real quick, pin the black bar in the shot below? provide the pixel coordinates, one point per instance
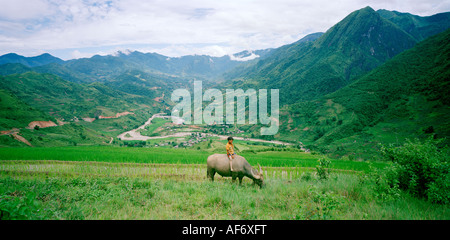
(225, 229)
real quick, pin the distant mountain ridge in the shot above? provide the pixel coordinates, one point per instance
(40, 60)
(359, 43)
(104, 68)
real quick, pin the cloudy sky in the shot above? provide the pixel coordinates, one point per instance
(73, 28)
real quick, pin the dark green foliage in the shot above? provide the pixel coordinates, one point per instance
(423, 169)
(306, 176)
(18, 205)
(134, 143)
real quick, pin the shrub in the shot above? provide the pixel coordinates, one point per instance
(306, 176)
(423, 169)
(383, 182)
(324, 204)
(323, 170)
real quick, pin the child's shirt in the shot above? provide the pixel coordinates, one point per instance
(230, 148)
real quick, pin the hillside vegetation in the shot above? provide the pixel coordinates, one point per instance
(406, 97)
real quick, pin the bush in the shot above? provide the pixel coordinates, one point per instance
(324, 204)
(323, 170)
(423, 169)
(383, 182)
(306, 176)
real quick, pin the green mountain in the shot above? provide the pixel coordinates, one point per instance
(67, 100)
(307, 70)
(64, 72)
(406, 97)
(199, 66)
(260, 66)
(418, 27)
(150, 85)
(15, 113)
(40, 60)
(109, 68)
(100, 68)
(12, 68)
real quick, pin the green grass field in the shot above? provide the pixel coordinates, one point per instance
(109, 182)
(174, 156)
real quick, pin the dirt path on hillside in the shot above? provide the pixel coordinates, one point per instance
(15, 131)
(22, 139)
(136, 135)
(41, 124)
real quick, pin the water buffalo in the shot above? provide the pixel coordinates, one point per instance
(219, 163)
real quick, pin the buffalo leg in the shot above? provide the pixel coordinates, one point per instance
(210, 174)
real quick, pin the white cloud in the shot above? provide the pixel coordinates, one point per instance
(185, 27)
(247, 58)
(24, 9)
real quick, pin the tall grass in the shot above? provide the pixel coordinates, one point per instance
(340, 197)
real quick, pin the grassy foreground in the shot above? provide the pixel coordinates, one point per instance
(340, 197)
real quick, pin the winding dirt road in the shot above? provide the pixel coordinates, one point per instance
(136, 135)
